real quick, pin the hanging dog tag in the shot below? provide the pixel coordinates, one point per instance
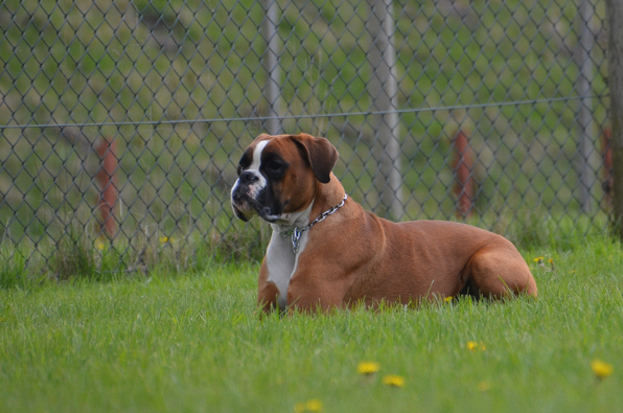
(296, 237)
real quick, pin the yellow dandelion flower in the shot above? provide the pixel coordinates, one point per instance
(100, 246)
(551, 263)
(164, 240)
(448, 299)
(472, 345)
(601, 369)
(313, 405)
(484, 385)
(393, 380)
(368, 367)
(538, 260)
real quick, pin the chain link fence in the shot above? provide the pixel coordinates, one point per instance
(122, 122)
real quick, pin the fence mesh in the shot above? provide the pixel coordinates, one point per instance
(124, 120)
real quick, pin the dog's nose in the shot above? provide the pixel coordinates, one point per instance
(248, 177)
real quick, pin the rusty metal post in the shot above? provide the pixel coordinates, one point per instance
(107, 179)
(463, 165)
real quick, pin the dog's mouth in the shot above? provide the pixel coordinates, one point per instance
(242, 214)
(246, 208)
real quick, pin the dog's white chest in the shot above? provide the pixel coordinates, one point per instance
(281, 263)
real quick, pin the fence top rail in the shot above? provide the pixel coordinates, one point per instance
(321, 115)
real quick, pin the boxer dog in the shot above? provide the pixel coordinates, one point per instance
(327, 252)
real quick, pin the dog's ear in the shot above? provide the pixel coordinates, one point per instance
(321, 155)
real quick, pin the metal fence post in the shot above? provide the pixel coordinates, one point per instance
(586, 148)
(383, 88)
(614, 12)
(271, 66)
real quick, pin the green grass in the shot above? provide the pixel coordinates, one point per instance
(194, 342)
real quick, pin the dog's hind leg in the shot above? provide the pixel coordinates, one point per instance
(498, 271)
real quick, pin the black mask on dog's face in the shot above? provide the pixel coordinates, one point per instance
(279, 174)
(253, 190)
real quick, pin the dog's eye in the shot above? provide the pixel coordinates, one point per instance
(274, 166)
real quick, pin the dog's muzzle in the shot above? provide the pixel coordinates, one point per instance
(242, 203)
(246, 199)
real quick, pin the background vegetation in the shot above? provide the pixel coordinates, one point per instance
(179, 86)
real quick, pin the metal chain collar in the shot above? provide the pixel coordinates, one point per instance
(297, 232)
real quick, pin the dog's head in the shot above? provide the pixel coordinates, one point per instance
(279, 174)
